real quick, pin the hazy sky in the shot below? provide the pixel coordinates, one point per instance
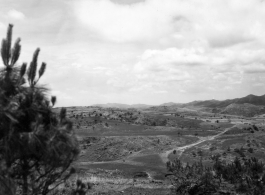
(143, 51)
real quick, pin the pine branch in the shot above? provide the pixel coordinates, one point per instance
(6, 46)
(16, 52)
(9, 41)
(33, 67)
(23, 70)
(3, 52)
(53, 100)
(42, 69)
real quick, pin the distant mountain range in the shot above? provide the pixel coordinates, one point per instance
(250, 99)
(250, 105)
(243, 110)
(125, 106)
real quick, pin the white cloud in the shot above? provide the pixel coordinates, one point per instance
(221, 23)
(162, 91)
(14, 14)
(188, 48)
(255, 68)
(2, 25)
(196, 68)
(121, 23)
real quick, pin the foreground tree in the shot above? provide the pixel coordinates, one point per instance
(37, 147)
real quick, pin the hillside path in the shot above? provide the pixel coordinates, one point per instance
(181, 149)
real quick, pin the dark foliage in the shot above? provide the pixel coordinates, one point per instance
(238, 177)
(81, 188)
(37, 147)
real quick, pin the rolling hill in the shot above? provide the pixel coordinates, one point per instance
(248, 110)
(250, 99)
(249, 106)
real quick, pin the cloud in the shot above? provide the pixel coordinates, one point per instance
(110, 50)
(171, 65)
(226, 40)
(14, 14)
(186, 56)
(255, 68)
(185, 48)
(222, 23)
(161, 91)
(192, 69)
(120, 23)
(122, 2)
(2, 25)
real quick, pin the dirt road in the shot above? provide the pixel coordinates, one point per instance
(181, 149)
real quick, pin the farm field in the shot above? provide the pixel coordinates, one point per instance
(137, 143)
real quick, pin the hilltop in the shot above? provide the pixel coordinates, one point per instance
(250, 99)
(249, 106)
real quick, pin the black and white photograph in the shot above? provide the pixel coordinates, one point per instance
(132, 97)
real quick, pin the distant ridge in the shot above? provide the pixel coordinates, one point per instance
(124, 106)
(170, 104)
(250, 99)
(245, 109)
(249, 106)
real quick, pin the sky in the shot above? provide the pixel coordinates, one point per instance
(142, 51)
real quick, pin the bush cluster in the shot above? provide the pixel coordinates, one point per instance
(238, 177)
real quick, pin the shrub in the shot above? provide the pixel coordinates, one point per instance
(238, 177)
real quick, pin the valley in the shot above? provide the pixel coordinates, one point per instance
(125, 150)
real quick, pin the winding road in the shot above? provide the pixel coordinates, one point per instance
(123, 183)
(164, 155)
(181, 149)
